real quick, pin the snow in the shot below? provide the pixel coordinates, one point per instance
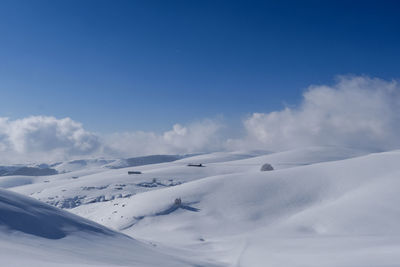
(26, 170)
(13, 181)
(320, 206)
(36, 234)
(20, 213)
(140, 161)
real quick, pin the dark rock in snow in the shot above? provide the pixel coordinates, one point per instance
(266, 167)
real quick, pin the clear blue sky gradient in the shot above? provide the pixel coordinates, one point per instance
(145, 65)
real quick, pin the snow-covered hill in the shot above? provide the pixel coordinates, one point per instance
(33, 233)
(320, 206)
(44, 169)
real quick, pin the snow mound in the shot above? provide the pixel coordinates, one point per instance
(35, 234)
(24, 214)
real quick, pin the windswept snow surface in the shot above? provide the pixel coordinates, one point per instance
(33, 233)
(320, 206)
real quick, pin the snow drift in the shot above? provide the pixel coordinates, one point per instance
(33, 233)
(20, 213)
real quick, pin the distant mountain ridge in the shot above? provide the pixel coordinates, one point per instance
(27, 171)
(145, 160)
(44, 169)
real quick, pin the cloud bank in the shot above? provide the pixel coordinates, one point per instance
(44, 138)
(357, 112)
(203, 136)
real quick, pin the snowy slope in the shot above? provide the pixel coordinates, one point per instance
(44, 169)
(140, 161)
(35, 234)
(320, 206)
(92, 185)
(26, 170)
(20, 213)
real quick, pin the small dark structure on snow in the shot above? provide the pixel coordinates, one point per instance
(134, 172)
(266, 167)
(195, 165)
(178, 201)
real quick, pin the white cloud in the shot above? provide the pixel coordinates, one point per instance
(197, 137)
(42, 138)
(355, 112)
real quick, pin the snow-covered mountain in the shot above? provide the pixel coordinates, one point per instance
(318, 206)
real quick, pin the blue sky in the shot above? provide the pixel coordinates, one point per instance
(145, 65)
